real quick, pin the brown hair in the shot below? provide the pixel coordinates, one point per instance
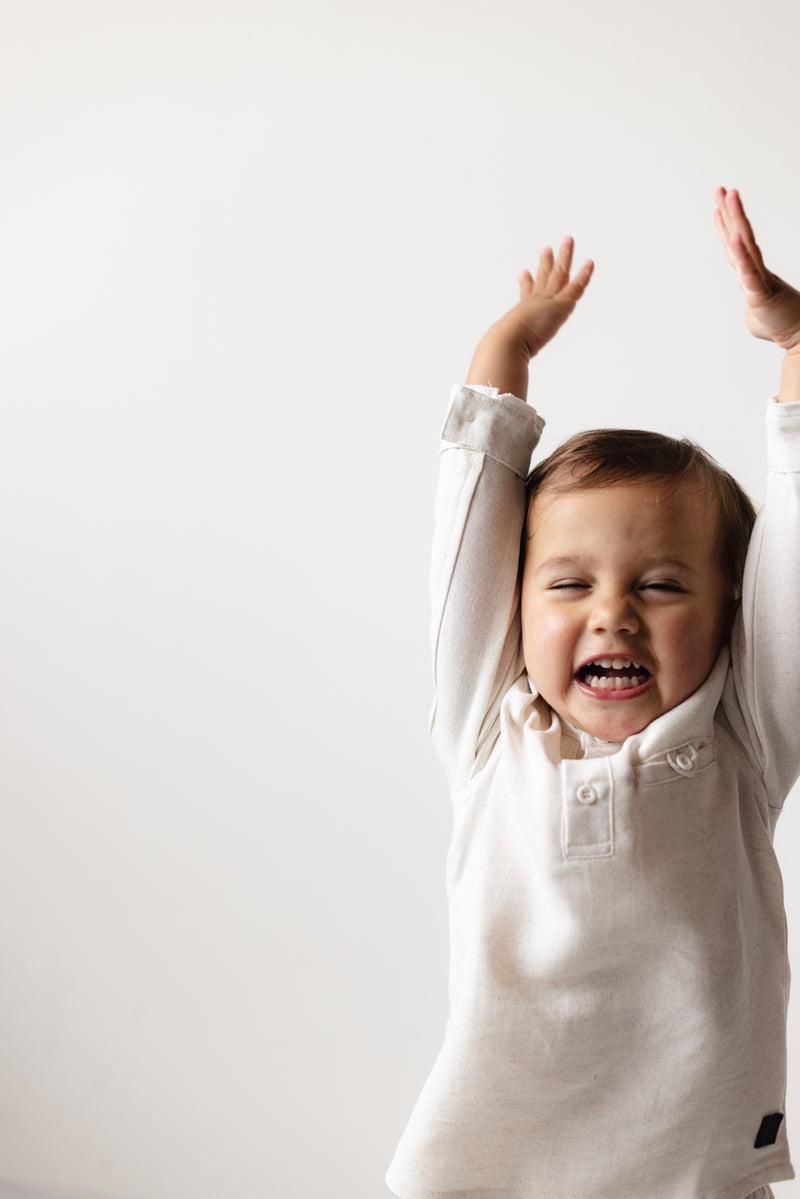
(601, 457)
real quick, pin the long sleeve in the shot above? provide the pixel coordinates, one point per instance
(766, 638)
(480, 510)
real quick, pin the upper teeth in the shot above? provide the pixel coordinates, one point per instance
(613, 663)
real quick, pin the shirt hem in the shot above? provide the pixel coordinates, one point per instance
(737, 1190)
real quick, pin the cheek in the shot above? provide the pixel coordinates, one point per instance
(548, 640)
(693, 641)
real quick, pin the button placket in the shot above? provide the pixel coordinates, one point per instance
(587, 809)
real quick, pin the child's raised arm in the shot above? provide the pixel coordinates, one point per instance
(502, 357)
(773, 306)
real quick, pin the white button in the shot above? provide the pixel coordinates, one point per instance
(586, 794)
(683, 761)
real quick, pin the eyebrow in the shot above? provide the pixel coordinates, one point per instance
(565, 562)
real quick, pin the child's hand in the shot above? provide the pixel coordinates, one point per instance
(546, 302)
(773, 307)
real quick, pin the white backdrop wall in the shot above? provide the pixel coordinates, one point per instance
(245, 249)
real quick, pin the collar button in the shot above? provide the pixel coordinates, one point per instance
(684, 760)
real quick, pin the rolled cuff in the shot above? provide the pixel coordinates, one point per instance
(501, 426)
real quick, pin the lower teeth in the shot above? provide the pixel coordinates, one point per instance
(606, 683)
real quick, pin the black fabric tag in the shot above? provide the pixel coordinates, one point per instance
(768, 1132)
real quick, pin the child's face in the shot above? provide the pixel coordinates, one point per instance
(624, 603)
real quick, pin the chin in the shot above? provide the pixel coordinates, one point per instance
(614, 715)
(612, 726)
(616, 733)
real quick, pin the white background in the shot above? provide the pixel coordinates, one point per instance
(245, 249)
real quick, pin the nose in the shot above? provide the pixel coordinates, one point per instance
(614, 613)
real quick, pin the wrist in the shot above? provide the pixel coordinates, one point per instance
(790, 377)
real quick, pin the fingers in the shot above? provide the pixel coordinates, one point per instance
(753, 278)
(741, 248)
(563, 262)
(724, 222)
(545, 267)
(553, 273)
(736, 232)
(576, 287)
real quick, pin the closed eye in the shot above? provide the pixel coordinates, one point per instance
(662, 586)
(569, 585)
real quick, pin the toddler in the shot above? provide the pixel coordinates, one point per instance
(616, 714)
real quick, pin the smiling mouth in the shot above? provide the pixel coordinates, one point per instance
(612, 675)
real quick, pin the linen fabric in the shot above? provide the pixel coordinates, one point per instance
(618, 971)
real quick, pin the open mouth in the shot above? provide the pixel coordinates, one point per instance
(613, 674)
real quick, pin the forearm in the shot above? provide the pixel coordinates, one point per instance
(790, 378)
(500, 361)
